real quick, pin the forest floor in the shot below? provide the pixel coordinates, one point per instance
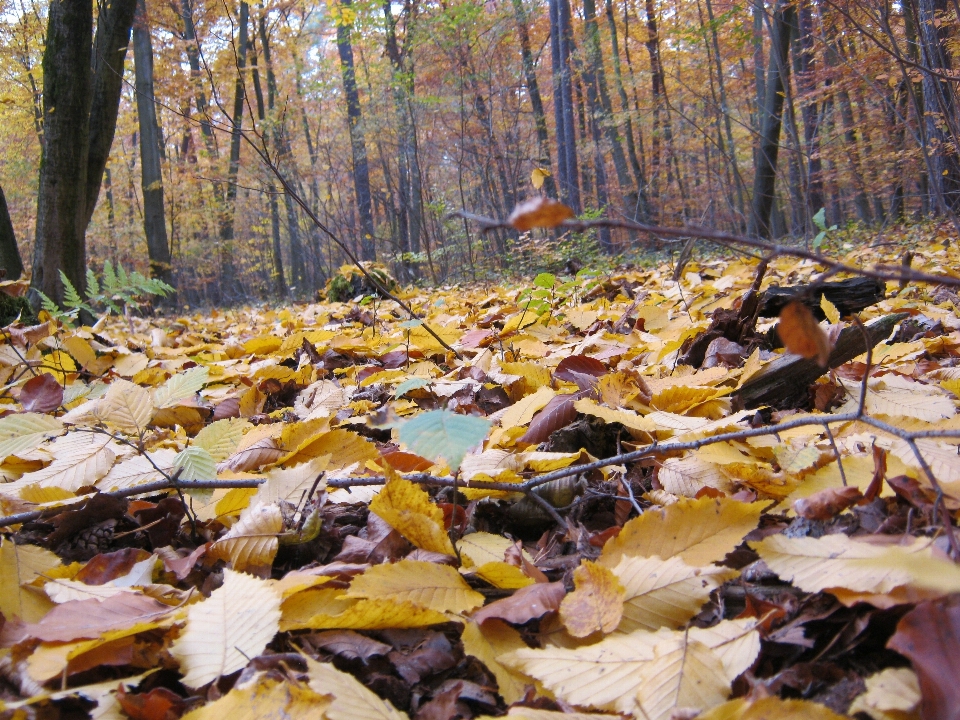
(594, 502)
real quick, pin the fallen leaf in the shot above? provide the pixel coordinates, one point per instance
(525, 604)
(596, 604)
(801, 333)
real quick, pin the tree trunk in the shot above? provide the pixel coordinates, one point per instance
(601, 108)
(569, 145)
(940, 100)
(563, 173)
(10, 262)
(276, 253)
(642, 210)
(80, 105)
(228, 272)
(151, 172)
(809, 110)
(765, 174)
(61, 200)
(361, 172)
(193, 57)
(536, 102)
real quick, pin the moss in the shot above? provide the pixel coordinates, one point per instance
(349, 282)
(13, 307)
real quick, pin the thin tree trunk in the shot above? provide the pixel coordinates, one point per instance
(565, 35)
(358, 146)
(151, 152)
(193, 57)
(536, 102)
(10, 262)
(809, 111)
(765, 175)
(228, 272)
(601, 108)
(563, 173)
(656, 89)
(278, 279)
(642, 209)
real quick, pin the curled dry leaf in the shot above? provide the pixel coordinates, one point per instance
(525, 604)
(539, 212)
(252, 544)
(41, 394)
(596, 605)
(801, 333)
(827, 503)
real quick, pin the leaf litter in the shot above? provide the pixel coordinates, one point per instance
(583, 512)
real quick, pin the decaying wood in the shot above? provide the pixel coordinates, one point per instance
(849, 296)
(788, 378)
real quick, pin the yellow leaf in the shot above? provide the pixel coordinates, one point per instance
(683, 674)
(375, 615)
(251, 544)
(504, 576)
(79, 459)
(665, 593)
(837, 561)
(234, 502)
(22, 432)
(892, 694)
(126, 406)
(596, 604)
(224, 631)
(607, 674)
(522, 412)
(220, 438)
(479, 548)
(770, 707)
(830, 310)
(627, 418)
(268, 697)
(537, 176)
(293, 483)
(19, 566)
(300, 608)
(351, 700)
(430, 585)
(488, 644)
(406, 507)
(699, 532)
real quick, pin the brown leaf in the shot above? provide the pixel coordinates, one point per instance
(350, 645)
(827, 503)
(929, 636)
(539, 212)
(801, 333)
(557, 413)
(525, 604)
(158, 704)
(41, 394)
(879, 472)
(108, 566)
(573, 365)
(79, 619)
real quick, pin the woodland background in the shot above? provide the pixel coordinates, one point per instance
(386, 116)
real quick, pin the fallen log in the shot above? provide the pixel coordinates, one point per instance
(784, 381)
(848, 296)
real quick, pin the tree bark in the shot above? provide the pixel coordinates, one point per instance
(151, 152)
(563, 173)
(228, 273)
(358, 146)
(10, 261)
(569, 145)
(61, 200)
(940, 100)
(809, 109)
(765, 175)
(536, 102)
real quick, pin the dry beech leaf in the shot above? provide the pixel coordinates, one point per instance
(126, 406)
(607, 675)
(433, 586)
(252, 544)
(268, 697)
(769, 708)
(224, 631)
(406, 507)
(22, 432)
(488, 644)
(596, 604)
(801, 334)
(351, 700)
(892, 694)
(838, 561)
(367, 614)
(539, 212)
(698, 531)
(20, 565)
(79, 619)
(525, 604)
(665, 593)
(79, 459)
(684, 674)
(827, 503)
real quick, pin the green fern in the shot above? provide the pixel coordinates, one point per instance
(114, 292)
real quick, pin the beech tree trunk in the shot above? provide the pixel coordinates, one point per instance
(765, 174)
(82, 80)
(151, 151)
(10, 262)
(358, 146)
